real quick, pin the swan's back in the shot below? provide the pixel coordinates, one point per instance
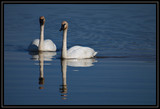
(80, 52)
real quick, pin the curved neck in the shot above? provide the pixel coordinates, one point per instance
(41, 38)
(64, 48)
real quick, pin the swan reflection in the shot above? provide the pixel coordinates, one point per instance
(47, 56)
(41, 57)
(81, 62)
(72, 63)
(63, 89)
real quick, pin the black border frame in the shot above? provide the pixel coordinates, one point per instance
(80, 2)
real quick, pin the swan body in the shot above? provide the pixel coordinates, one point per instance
(41, 44)
(48, 45)
(78, 52)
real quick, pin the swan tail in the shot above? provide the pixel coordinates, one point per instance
(95, 53)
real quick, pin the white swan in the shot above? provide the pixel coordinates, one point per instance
(77, 52)
(41, 44)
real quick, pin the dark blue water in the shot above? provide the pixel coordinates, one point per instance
(123, 72)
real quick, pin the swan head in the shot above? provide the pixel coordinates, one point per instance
(64, 26)
(42, 20)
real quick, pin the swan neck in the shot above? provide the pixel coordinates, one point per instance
(64, 48)
(41, 38)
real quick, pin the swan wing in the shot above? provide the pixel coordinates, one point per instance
(80, 52)
(49, 45)
(72, 49)
(34, 45)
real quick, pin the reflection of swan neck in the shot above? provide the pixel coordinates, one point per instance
(41, 37)
(64, 80)
(64, 48)
(64, 71)
(41, 62)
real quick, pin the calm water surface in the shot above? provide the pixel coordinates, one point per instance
(123, 73)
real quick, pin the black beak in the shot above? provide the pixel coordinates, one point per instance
(41, 21)
(61, 29)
